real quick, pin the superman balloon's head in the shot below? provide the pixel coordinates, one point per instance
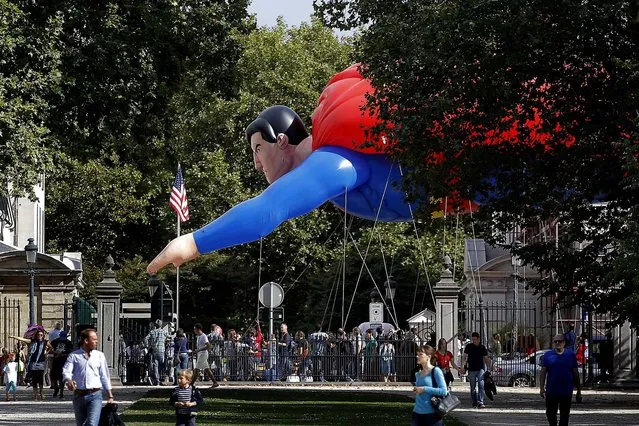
(274, 137)
(275, 120)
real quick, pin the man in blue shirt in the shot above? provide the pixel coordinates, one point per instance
(558, 375)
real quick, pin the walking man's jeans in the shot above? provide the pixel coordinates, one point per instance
(158, 368)
(477, 378)
(562, 402)
(87, 409)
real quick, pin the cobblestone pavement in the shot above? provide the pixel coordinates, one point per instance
(521, 406)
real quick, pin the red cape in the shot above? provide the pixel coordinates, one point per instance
(339, 119)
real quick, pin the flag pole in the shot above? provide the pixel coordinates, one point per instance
(177, 287)
(178, 202)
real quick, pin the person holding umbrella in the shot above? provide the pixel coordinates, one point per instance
(36, 357)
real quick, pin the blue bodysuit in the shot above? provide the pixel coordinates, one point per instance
(352, 180)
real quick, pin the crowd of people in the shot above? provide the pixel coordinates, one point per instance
(49, 360)
(217, 355)
(36, 362)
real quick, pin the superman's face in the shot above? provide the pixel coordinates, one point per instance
(272, 159)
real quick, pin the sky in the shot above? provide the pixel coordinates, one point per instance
(294, 11)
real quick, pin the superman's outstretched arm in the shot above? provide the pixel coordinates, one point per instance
(324, 175)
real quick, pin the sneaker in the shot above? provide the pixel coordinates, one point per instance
(480, 406)
(474, 405)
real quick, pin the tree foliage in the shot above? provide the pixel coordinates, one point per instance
(98, 209)
(552, 85)
(124, 66)
(29, 76)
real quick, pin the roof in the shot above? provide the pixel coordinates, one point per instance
(424, 316)
(6, 247)
(478, 253)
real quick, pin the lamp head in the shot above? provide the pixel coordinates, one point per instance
(31, 251)
(153, 284)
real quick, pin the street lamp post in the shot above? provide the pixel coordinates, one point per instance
(156, 285)
(31, 252)
(391, 288)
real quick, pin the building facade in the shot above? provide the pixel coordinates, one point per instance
(56, 277)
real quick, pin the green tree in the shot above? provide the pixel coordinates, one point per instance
(29, 76)
(450, 75)
(98, 209)
(123, 68)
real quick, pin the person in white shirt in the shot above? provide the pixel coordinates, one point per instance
(86, 374)
(10, 371)
(202, 356)
(55, 333)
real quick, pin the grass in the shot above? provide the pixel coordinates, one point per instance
(260, 406)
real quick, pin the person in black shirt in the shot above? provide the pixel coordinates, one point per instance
(62, 347)
(475, 361)
(606, 358)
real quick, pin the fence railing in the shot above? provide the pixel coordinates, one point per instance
(236, 361)
(11, 324)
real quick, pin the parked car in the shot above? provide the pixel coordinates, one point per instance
(517, 371)
(523, 371)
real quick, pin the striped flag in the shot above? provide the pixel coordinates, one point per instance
(178, 200)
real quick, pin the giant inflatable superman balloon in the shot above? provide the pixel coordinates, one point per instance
(304, 171)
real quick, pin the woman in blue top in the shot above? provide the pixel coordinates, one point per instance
(181, 351)
(424, 414)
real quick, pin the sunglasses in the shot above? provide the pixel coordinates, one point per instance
(558, 341)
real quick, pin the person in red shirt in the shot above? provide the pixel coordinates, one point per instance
(581, 351)
(444, 361)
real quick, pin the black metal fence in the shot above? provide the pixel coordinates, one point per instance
(332, 361)
(11, 324)
(133, 358)
(516, 335)
(511, 332)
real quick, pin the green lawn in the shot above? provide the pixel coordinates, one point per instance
(268, 406)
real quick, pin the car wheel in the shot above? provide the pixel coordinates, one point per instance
(521, 381)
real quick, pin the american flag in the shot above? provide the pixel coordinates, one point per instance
(178, 200)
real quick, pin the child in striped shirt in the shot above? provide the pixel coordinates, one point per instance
(185, 398)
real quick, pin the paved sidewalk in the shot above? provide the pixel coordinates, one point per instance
(524, 406)
(55, 411)
(521, 406)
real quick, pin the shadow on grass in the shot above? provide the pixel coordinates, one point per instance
(257, 406)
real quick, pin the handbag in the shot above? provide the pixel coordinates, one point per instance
(443, 404)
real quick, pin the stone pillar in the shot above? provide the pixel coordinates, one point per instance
(446, 292)
(108, 293)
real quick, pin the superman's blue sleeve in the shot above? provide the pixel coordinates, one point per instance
(324, 175)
